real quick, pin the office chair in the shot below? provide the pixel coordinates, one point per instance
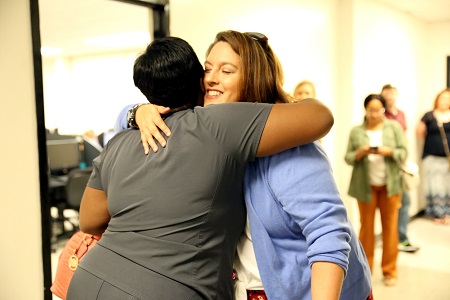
(74, 189)
(76, 184)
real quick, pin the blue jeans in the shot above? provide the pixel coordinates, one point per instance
(403, 217)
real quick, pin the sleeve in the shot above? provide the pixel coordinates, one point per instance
(95, 181)
(302, 182)
(400, 152)
(100, 177)
(427, 118)
(350, 155)
(237, 127)
(121, 121)
(403, 122)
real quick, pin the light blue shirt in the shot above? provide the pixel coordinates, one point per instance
(121, 121)
(296, 218)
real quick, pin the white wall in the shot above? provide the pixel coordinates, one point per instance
(21, 271)
(437, 43)
(91, 88)
(349, 48)
(299, 31)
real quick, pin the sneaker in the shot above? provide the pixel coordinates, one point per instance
(407, 247)
(389, 281)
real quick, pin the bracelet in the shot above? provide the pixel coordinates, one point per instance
(131, 115)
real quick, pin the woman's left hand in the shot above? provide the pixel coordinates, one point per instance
(148, 118)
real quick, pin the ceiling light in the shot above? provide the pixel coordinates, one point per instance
(50, 51)
(120, 40)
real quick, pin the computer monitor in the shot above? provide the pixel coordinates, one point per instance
(63, 155)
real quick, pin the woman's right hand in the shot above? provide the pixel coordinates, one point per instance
(148, 118)
(361, 152)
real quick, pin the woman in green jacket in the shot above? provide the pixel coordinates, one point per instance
(375, 150)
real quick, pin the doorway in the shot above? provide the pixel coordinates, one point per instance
(74, 73)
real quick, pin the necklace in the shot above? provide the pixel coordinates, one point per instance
(442, 116)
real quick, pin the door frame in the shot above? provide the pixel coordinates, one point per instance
(161, 24)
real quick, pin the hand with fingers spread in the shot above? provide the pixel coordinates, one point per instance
(150, 122)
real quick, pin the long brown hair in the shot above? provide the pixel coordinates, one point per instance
(447, 90)
(262, 79)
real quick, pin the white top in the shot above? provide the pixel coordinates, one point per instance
(248, 277)
(377, 166)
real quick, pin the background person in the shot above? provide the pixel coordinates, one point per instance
(152, 248)
(390, 94)
(304, 89)
(375, 150)
(304, 253)
(434, 162)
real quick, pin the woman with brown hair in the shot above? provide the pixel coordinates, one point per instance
(434, 129)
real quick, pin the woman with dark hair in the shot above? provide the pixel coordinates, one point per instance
(302, 243)
(170, 222)
(375, 150)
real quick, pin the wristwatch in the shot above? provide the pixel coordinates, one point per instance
(131, 115)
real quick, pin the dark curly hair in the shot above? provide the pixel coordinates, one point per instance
(169, 73)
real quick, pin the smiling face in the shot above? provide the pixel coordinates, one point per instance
(223, 75)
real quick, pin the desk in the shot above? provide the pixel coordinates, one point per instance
(58, 181)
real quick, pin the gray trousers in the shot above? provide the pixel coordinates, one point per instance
(86, 286)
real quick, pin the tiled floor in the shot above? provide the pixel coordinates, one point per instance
(424, 275)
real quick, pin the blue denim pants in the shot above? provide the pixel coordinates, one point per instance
(403, 217)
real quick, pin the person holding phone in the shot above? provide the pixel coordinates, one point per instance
(375, 150)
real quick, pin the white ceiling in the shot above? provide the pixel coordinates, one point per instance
(66, 23)
(426, 10)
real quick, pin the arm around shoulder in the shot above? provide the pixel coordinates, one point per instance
(294, 124)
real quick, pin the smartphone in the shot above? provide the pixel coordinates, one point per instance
(373, 148)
